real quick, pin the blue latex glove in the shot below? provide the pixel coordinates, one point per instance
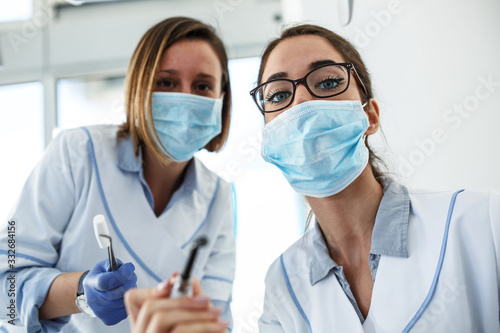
(104, 290)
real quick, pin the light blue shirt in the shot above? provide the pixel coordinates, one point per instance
(389, 237)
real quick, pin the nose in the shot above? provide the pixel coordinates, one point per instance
(186, 88)
(301, 95)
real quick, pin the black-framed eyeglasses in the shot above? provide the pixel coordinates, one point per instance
(323, 82)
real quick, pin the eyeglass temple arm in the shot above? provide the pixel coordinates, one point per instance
(356, 76)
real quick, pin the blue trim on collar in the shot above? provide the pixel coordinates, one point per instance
(218, 278)
(439, 266)
(108, 211)
(292, 293)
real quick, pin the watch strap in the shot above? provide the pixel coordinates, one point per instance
(81, 291)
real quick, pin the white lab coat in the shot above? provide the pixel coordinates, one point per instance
(466, 297)
(55, 231)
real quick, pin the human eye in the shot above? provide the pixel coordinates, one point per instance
(166, 84)
(277, 97)
(330, 83)
(204, 87)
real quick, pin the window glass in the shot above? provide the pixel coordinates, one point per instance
(84, 101)
(15, 10)
(21, 137)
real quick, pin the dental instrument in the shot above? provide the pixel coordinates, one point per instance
(182, 284)
(104, 240)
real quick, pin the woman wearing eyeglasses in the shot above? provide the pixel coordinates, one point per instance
(379, 258)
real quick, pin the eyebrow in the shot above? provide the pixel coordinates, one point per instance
(320, 63)
(312, 65)
(275, 76)
(169, 71)
(205, 75)
(200, 75)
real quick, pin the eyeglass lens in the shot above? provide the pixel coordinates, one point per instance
(323, 82)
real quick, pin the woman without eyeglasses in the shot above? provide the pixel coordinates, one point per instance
(157, 199)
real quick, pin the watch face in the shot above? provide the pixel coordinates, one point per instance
(81, 303)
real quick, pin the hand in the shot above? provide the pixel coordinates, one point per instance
(105, 290)
(150, 310)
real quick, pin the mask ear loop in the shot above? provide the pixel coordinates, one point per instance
(364, 135)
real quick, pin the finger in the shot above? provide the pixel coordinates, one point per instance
(117, 316)
(110, 280)
(165, 320)
(163, 289)
(117, 293)
(196, 285)
(134, 298)
(101, 305)
(118, 261)
(104, 265)
(168, 305)
(204, 327)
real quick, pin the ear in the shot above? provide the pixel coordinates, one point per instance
(373, 113)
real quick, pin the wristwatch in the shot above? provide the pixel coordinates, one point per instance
(81, 300)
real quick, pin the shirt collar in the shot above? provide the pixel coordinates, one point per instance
(389, 235)
(126, 159)
(321, 262)
(197, 188)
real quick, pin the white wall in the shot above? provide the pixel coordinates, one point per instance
(428, 59)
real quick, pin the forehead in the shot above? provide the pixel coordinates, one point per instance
(196, 55)
(294, 55)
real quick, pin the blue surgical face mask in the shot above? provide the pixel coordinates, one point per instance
(318, 145)
(185, 123)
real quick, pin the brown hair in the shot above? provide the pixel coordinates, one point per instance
(139, 82)
(349, 53)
